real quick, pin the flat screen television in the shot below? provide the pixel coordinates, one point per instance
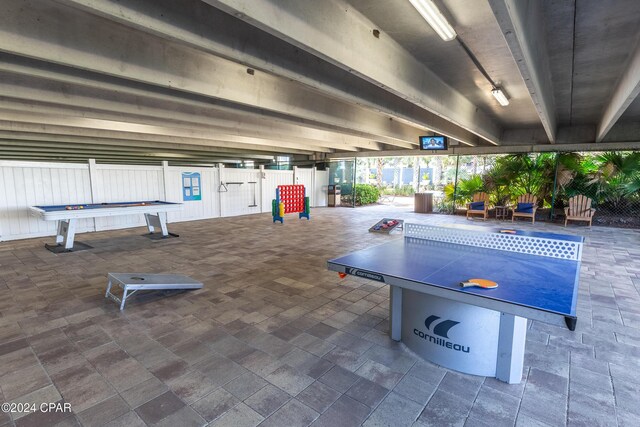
(435, 142)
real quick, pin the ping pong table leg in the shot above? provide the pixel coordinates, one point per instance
(511, 341)
(571, 322)
(395, 312)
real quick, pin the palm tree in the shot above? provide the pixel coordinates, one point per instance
(614, 178)
(416, 173)
(379, 169)
(529, 174)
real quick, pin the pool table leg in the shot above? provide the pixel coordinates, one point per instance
(66, 232)
(62, 229)
(157, 220)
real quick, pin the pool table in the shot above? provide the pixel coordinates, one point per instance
(155, 213)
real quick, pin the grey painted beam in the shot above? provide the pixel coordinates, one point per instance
(35, 146)
(624, 94)
(87, 133)
(522, 23)
(52, 138)
(196, 24)
(97, 45)
(502, 149)
(46, 78)
(92, 126)
(313, 25)
(30, 108)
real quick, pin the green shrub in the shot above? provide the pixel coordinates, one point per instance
(366, 194)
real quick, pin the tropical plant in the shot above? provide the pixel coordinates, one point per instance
(496, 183)
(529, 174)
(465, 190)
(616, 179)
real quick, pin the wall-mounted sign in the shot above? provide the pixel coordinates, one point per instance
(191, 189)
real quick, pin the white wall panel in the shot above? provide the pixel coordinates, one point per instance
(240, 193)
(117, 183)
(321, 184)
(305, 176)
(208, 207)
(271, 180)
(25, 184)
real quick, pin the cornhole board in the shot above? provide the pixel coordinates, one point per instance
(378, 226)
(134, 282)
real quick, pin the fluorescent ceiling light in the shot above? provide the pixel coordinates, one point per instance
(432, 15)
(500, 96)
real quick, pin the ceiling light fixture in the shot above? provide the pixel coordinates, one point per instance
(434, 17)
(500, 96)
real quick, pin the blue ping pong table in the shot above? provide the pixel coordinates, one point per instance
(473, 330)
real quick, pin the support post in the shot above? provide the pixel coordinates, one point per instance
(165, 179)
(455, 184)
(553, 193)
(93, 183)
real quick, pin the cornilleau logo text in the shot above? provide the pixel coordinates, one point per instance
(442, 330)
(365, 274)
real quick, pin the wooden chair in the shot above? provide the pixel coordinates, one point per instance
(525, 198)
(479, 197)
(579, 210)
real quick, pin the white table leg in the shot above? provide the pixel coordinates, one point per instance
(162, 219)
(511, 342)
(395, 312)
(157, 220)
(149, 218)
(62, 230)
(70, 233)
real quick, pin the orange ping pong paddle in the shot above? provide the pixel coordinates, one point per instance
(480, 283)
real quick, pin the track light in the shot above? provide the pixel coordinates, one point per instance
(432, 15)
(500, 96)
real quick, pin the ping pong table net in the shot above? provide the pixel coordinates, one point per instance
(525, 244)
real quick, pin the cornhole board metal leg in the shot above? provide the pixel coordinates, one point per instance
(511, 343)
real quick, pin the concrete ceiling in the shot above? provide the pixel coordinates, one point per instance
(232, 80)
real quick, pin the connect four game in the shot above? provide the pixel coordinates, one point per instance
(290, 199)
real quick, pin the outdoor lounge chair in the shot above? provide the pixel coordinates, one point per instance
(479, 208)
(525, 212)
(579, 210)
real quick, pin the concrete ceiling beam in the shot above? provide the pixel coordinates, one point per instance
(96, 89)
(180, 121)
(73, 147)
(501, 149)
(51, 138)
(624, 94)
(110, 159)
(138, 128)
(313, 26)
(214, 141)
(198, 25)
(38, 29)
(522, 23)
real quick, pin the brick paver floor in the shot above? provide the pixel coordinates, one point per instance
(277, 340)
